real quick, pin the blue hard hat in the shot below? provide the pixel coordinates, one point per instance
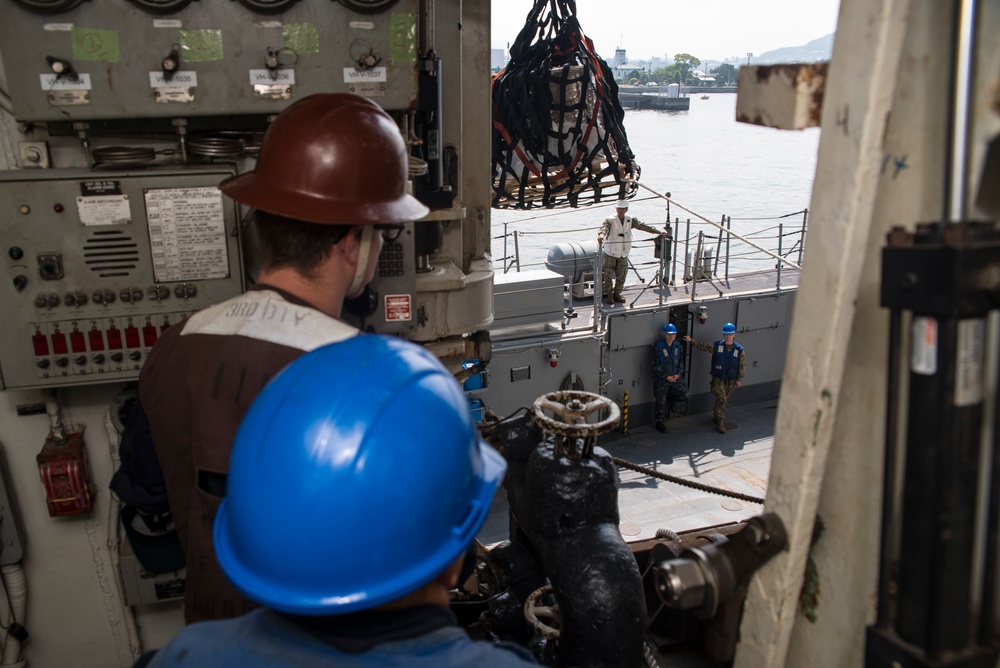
(669, 329)
(729, 328)
(356, 477)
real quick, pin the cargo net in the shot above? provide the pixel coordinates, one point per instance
(558, 133)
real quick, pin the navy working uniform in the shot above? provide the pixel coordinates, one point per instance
(616, 237)
(424, 637)
(727, 371)
(668, 361)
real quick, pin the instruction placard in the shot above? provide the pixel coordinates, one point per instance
(187, 233)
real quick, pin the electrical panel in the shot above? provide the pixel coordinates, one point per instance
(106, 59)
(99, 263)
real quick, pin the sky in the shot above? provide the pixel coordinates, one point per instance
(706, 29)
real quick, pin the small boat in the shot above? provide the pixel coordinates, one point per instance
(704, 97)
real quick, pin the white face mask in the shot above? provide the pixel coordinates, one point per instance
(365, 262)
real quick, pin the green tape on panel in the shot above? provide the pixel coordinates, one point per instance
(300, 37)
(94, 44)
(402, 38)
(199, 46)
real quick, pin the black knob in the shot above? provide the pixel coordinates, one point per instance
(70, 299)
(98, 297)
(80, 360)
(126, 295)
(20, 282)
(42, 364)
(135, 355)
(62, 361)
(99, 359)
(52, 301)
(41, 301)
(15, 253)
(117, 357)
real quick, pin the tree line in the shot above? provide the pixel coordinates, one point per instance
(682, 72)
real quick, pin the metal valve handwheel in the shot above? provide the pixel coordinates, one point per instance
(534, 610)
(571, 410)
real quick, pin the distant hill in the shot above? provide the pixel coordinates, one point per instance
(816, 50)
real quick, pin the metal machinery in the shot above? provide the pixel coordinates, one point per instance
(118, 118)
(132, 112)
(567, 585)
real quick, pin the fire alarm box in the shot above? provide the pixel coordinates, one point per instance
(63, 469)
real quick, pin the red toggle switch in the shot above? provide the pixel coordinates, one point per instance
(148, 334)
(59, 343)
(96, 339)
(131, 336)
(77, 342)
(114, 338)
(41, 344)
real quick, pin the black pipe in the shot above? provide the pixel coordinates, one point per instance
(884, 619)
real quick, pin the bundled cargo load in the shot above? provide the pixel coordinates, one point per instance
(558, 133)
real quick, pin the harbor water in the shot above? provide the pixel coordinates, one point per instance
(759, 177)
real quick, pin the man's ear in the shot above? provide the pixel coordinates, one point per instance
(449, 578)
(350, 245)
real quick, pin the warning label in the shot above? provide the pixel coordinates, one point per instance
(398, 308)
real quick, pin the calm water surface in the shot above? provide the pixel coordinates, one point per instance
(709, 163)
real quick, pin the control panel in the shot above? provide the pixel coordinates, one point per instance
(97, 265)
(67, 60)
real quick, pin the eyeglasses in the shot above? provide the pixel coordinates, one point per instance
(390, 231)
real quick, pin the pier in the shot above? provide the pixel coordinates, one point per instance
(653, 101)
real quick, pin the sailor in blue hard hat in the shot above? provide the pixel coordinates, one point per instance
(728, 367)
(356, 487)
(669, 385)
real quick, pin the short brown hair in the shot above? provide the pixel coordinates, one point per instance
(277, 241)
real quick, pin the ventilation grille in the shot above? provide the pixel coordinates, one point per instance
(518, 373)
(111, 253)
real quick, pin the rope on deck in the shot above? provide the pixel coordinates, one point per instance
(686, 483)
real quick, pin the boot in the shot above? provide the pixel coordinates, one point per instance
(720, 426)
(611, 299)
(660, 427)
(618, 298)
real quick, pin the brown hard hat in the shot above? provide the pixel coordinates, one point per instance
(330, 158)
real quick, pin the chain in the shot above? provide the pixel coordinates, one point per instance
(686, 483)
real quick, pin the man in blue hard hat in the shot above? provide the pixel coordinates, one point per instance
(348, 530)
(668, 374)
(727, 372)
